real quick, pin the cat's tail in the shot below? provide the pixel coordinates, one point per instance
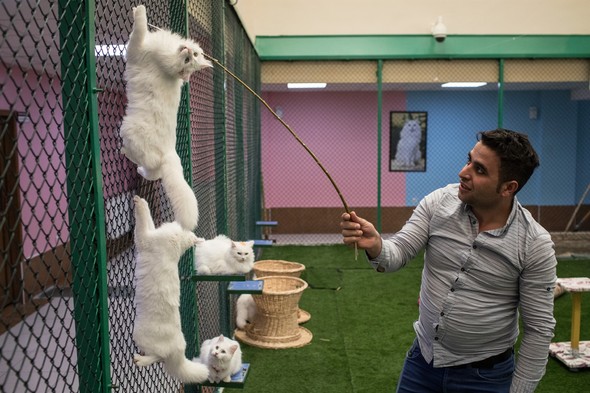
(185, 370)
(181, 195)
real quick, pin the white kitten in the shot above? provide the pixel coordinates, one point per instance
(158, 63)
(222, 356)
(245, 310)
(408, 147)
(156, 331)
(221, 255)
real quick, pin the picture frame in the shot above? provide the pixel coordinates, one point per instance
(407, 142)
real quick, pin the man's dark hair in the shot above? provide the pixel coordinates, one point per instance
(518, 158)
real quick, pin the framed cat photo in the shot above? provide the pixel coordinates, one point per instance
(407, 142)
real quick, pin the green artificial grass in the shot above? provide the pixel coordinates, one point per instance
(361, 322)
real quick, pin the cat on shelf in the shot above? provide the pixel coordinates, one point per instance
(158, 64)
(221, 255)
(245, 311)
(222, 356)
(156, 329)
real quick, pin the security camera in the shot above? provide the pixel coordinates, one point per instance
(439, 30)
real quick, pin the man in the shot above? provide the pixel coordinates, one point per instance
(485, 258)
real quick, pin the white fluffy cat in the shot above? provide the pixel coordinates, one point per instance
(245, 311)
(222, 356)
(221, 255)
(408, 148)
(158, 63)
(156, 331)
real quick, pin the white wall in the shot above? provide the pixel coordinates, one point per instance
(358, 17)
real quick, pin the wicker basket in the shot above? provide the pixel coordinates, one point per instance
(275, 267)
(275, 325)
(271, 267)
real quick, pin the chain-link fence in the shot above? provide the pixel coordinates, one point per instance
(66, 214)
(355, 125)
(67, 264)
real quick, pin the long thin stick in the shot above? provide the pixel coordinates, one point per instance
(292, 133)
(286, 126)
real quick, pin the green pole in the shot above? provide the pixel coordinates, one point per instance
(379, 138)
(219, 121)
(179, 23)
(85, 194)
(221, 200)
(241, 169)
(501, 93)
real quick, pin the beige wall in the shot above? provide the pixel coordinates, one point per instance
(356, 17)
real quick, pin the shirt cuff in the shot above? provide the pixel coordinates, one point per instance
(522, 386)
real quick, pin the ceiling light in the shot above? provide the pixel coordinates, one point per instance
(306, 85)
(464, 84)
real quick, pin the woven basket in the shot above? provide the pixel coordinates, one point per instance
(272, 267)
(275, 325)
(275, 267)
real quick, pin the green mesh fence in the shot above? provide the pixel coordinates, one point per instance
(67, 264)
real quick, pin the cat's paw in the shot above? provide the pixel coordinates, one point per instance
(198, 240)
(204, 270)
(140, 203)
(139, 11)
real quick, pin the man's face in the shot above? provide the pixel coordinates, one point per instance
(480, 177)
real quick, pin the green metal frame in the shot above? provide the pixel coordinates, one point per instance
(85, 194)
(179, 23)
(220, 124)
(385, 47)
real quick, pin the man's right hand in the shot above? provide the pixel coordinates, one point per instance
(360, 231)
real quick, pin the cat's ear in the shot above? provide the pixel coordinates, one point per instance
(233, 244)
(220, 338)
(233, 349)
(250, 243)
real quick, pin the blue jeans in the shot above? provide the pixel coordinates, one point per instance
(420, 377)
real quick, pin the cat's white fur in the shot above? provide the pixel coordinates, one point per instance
(156, 331)
(221, 255)
(408, 148)
(222, 356)
(245, 311)
(158, 63)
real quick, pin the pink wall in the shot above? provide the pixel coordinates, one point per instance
(340, 128)
(41, 157)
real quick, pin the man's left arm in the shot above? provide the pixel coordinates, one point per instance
(537, 281)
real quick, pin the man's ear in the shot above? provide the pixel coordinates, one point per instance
(509, 188)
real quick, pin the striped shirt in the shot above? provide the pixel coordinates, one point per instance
(473, 284)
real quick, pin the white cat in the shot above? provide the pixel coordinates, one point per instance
(222, 356)
(156, 331)
(408, 148)
(221, 255)
(245, 311)
(158, 63)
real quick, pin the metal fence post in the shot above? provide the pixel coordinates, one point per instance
(85, 193)
(188, 305)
